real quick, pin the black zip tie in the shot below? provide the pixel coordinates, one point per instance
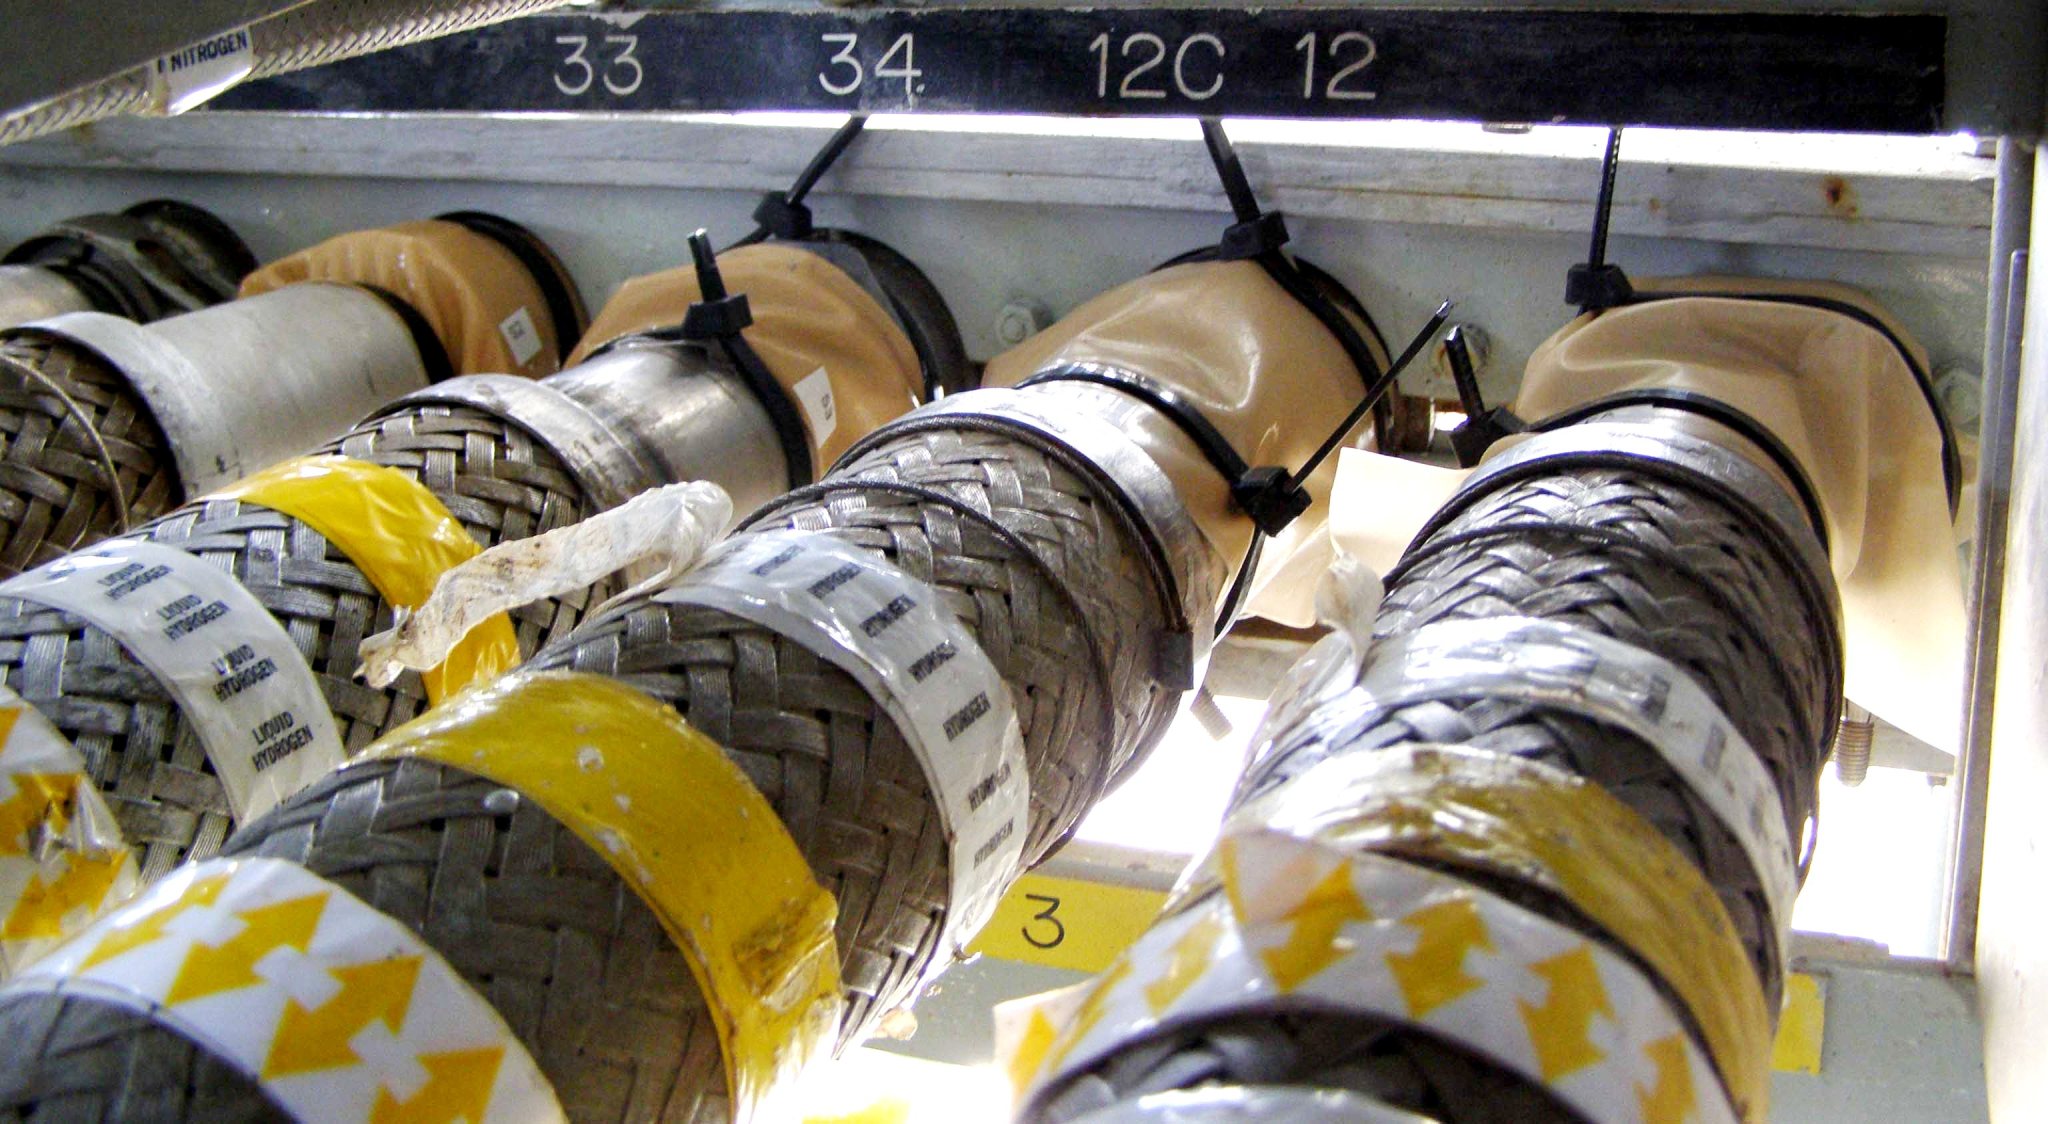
(782, 214)
(1594, 285)
(716, 320)
(1481, 427)
(1373, 395)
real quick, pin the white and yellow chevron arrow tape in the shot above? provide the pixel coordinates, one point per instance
(62, 856)
(337, 1011)
(1533, 823)
(1302, 925)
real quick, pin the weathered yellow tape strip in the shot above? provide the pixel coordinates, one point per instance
(399, 535)
(686, 829)
(1538, 824)
(339, 1012)
(1071, 923)
(62, 856)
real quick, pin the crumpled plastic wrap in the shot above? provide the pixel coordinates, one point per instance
(657, 534)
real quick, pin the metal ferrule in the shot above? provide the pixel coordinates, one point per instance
(683, 414)
(609, 468)
(244, 385)
(1714, 459)
(1090, 424)
(30, 292)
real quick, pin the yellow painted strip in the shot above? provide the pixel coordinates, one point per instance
(1067, 922)
(686, 829)
(1801, 1024)
(399, 535)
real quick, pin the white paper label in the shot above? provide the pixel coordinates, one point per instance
(892, 634)
(814, 391)
(196, 73)
(339, 1012)
(520, 335)
(238, 677)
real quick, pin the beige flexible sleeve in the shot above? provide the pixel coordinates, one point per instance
(488, 311)
(1841, 398)
(809, 316)
(1260, 366)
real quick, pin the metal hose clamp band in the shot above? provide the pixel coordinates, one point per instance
(173, 388)
(1734, 477)
(608, 467)
(1192, 575)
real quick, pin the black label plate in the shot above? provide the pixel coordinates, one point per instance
(1825, 72)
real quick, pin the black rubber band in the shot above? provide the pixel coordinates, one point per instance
(432, 352)
(1215, 448)
(557, 289)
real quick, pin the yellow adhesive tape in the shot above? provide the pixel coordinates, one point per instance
(402, 539)
(1541, 825)
(687, 830)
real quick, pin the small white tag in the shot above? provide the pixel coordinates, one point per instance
(520, 335)
(193, 74)
(815, 392)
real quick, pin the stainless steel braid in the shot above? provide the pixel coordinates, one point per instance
(1379, 1058)
(1645, 559)
(494, 477)
(92, 1060)
(64, 417)
(311, 34)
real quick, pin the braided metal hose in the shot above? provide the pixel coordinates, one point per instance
(1023, 538)
(1661, 555)
(80, 453)
(310, 34)
(497, 478)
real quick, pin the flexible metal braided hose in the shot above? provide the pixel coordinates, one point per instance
(1659, 556)
(312, 34)
(1069, 564)
(495, 477)
(564, 949)
(1042, 567)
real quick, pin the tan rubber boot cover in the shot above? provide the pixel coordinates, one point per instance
(1265, 372)
(1841, 398)
(809, 318)
(476, 296)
